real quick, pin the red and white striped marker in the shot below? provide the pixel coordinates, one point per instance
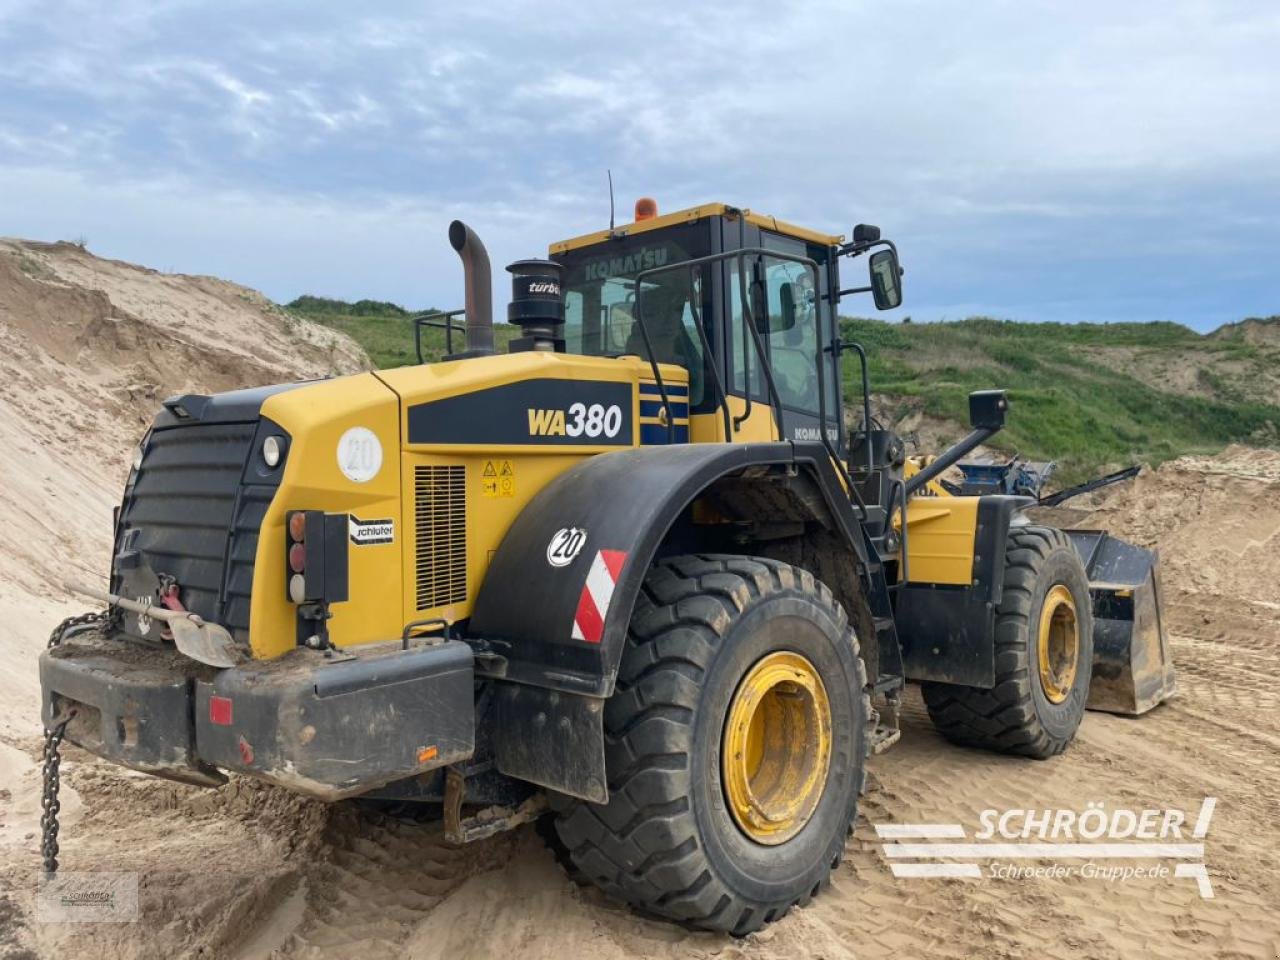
(593, 605)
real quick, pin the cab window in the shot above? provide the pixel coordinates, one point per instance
(600, 307)
(785, 306)
(793, 332)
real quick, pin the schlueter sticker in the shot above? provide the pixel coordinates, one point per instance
(566, 543)
(365, 532)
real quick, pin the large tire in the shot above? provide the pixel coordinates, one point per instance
(1026, 713)
(667, 841)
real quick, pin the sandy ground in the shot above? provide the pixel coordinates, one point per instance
(88, 349)
(248, 871)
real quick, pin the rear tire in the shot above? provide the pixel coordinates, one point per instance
(669, 841)
(1030, 711)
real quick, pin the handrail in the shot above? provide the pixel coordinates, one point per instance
(838, 347)
(741, 254)
(715, 371)
(438, 320)
(749, 321)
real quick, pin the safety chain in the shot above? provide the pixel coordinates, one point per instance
(82, 620)
(49, 803)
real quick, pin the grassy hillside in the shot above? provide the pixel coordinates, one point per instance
(1087, 395)
(385, 330)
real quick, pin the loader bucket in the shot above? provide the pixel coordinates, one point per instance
(1132, 669)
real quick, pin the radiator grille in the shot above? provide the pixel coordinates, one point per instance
(188, 516)
(440, 512)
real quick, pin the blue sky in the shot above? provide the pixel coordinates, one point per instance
(1039, 161)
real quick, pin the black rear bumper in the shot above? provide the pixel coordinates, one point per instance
(330, 728)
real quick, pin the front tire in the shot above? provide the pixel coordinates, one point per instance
(1043, 653)
(718, 816)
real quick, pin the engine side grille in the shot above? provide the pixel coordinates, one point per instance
(440, 512)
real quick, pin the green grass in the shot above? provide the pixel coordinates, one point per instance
(1066, 405)
(385, 330)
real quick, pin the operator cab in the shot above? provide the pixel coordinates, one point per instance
(744, 302)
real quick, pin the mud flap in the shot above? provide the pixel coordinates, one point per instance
(1132, 668)
(553, 739)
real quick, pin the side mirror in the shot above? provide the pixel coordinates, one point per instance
(886, 279)
(987, 409)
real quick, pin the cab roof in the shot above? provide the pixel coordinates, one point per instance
(696, 213)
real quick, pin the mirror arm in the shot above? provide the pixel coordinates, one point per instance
(842, 293)
(859, 247)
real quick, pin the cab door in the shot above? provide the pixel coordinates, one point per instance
(794, 325)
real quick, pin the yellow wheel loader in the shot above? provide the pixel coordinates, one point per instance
(635, 578)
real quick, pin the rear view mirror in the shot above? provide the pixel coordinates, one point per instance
(619, 323)
(886, 279)
(787, 298)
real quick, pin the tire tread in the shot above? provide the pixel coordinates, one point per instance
(1004, 718)
(643, 846)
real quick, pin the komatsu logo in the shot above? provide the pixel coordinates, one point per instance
(812, 433)
(646, 258)
(579, 420)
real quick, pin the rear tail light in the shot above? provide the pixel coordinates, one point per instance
(316, 557)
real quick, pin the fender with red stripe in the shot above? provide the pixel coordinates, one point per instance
(558, 623)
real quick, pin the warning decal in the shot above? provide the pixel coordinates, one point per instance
(597, 592)
(498, 479)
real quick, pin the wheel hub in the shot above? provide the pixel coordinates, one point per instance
(776, 748)
(1059, 647)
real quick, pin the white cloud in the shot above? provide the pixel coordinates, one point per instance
(984, 126)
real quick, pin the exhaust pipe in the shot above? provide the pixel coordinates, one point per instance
(478, 280)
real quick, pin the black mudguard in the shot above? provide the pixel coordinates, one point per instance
(559, 623)
(947, 632)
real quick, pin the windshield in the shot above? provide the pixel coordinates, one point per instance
(600, 308)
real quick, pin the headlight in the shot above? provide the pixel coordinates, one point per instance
(272, 451)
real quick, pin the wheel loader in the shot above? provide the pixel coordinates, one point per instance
(639, 578)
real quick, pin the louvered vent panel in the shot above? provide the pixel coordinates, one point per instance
(440, 512)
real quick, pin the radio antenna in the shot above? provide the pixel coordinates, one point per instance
(609, 173)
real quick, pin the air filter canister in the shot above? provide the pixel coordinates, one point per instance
(537, 304)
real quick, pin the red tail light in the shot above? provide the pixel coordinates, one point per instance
(316, 556)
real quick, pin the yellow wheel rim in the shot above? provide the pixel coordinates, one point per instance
(776, 747)
(1059, 644)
